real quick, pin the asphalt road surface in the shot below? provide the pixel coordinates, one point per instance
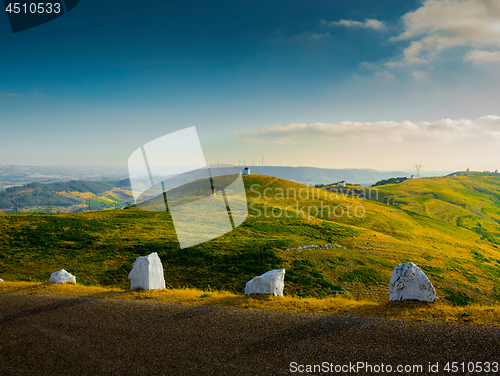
(42, 335)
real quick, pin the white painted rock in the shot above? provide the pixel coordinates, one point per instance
(408, 282)
(271, 283)
(62, 276)
(147, 273)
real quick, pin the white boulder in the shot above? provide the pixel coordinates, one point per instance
(147, 273)
(271, 283)
(408, 282)
(1, 280)
(62, 276)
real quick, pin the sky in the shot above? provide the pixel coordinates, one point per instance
(381, 84)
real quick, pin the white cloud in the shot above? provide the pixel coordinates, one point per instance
(251, 141)
(380, 71)
(442, 24)
(9, 94)
(483, 56)
(386, 75)
(419, 75)
(486, 127)
(367, 24)
(310, 36)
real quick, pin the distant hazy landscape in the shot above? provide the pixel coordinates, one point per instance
(68, 188)
(19, 175)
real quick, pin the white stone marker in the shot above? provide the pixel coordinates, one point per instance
(147, 273)
(62, 276)
(408, 282)
(271, 283)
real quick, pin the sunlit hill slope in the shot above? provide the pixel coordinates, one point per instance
(372, 238)
(469, 200)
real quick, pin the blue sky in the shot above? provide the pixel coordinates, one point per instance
(304, 83)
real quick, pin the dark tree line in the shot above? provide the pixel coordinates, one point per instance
(390, 181)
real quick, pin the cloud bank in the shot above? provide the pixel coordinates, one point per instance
(443, 24)
(444, 145)
(367, 24)
(486, 127)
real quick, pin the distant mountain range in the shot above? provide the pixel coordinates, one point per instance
(20, 175)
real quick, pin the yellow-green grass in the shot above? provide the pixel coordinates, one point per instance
(470, 201)
(122, 196)
(117, 193)
(112, 196)
(84, 195)
(100, 247)
(439, 311)
(395, 236)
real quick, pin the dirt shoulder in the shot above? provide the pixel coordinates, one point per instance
(85, 336)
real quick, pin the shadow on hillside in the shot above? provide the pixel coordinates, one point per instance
(61, 303)
(314, 331)
(407, 304)
(64, 303)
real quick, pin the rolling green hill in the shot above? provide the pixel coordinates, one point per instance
(370, 239)
(33, 194)
(69, 196)
(469, 200)
(46, 194)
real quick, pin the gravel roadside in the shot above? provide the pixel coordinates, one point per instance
(43, 335)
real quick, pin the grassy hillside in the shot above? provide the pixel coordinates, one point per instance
(33, 194)
(69, 196)
(469, 200)
(371, 238)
